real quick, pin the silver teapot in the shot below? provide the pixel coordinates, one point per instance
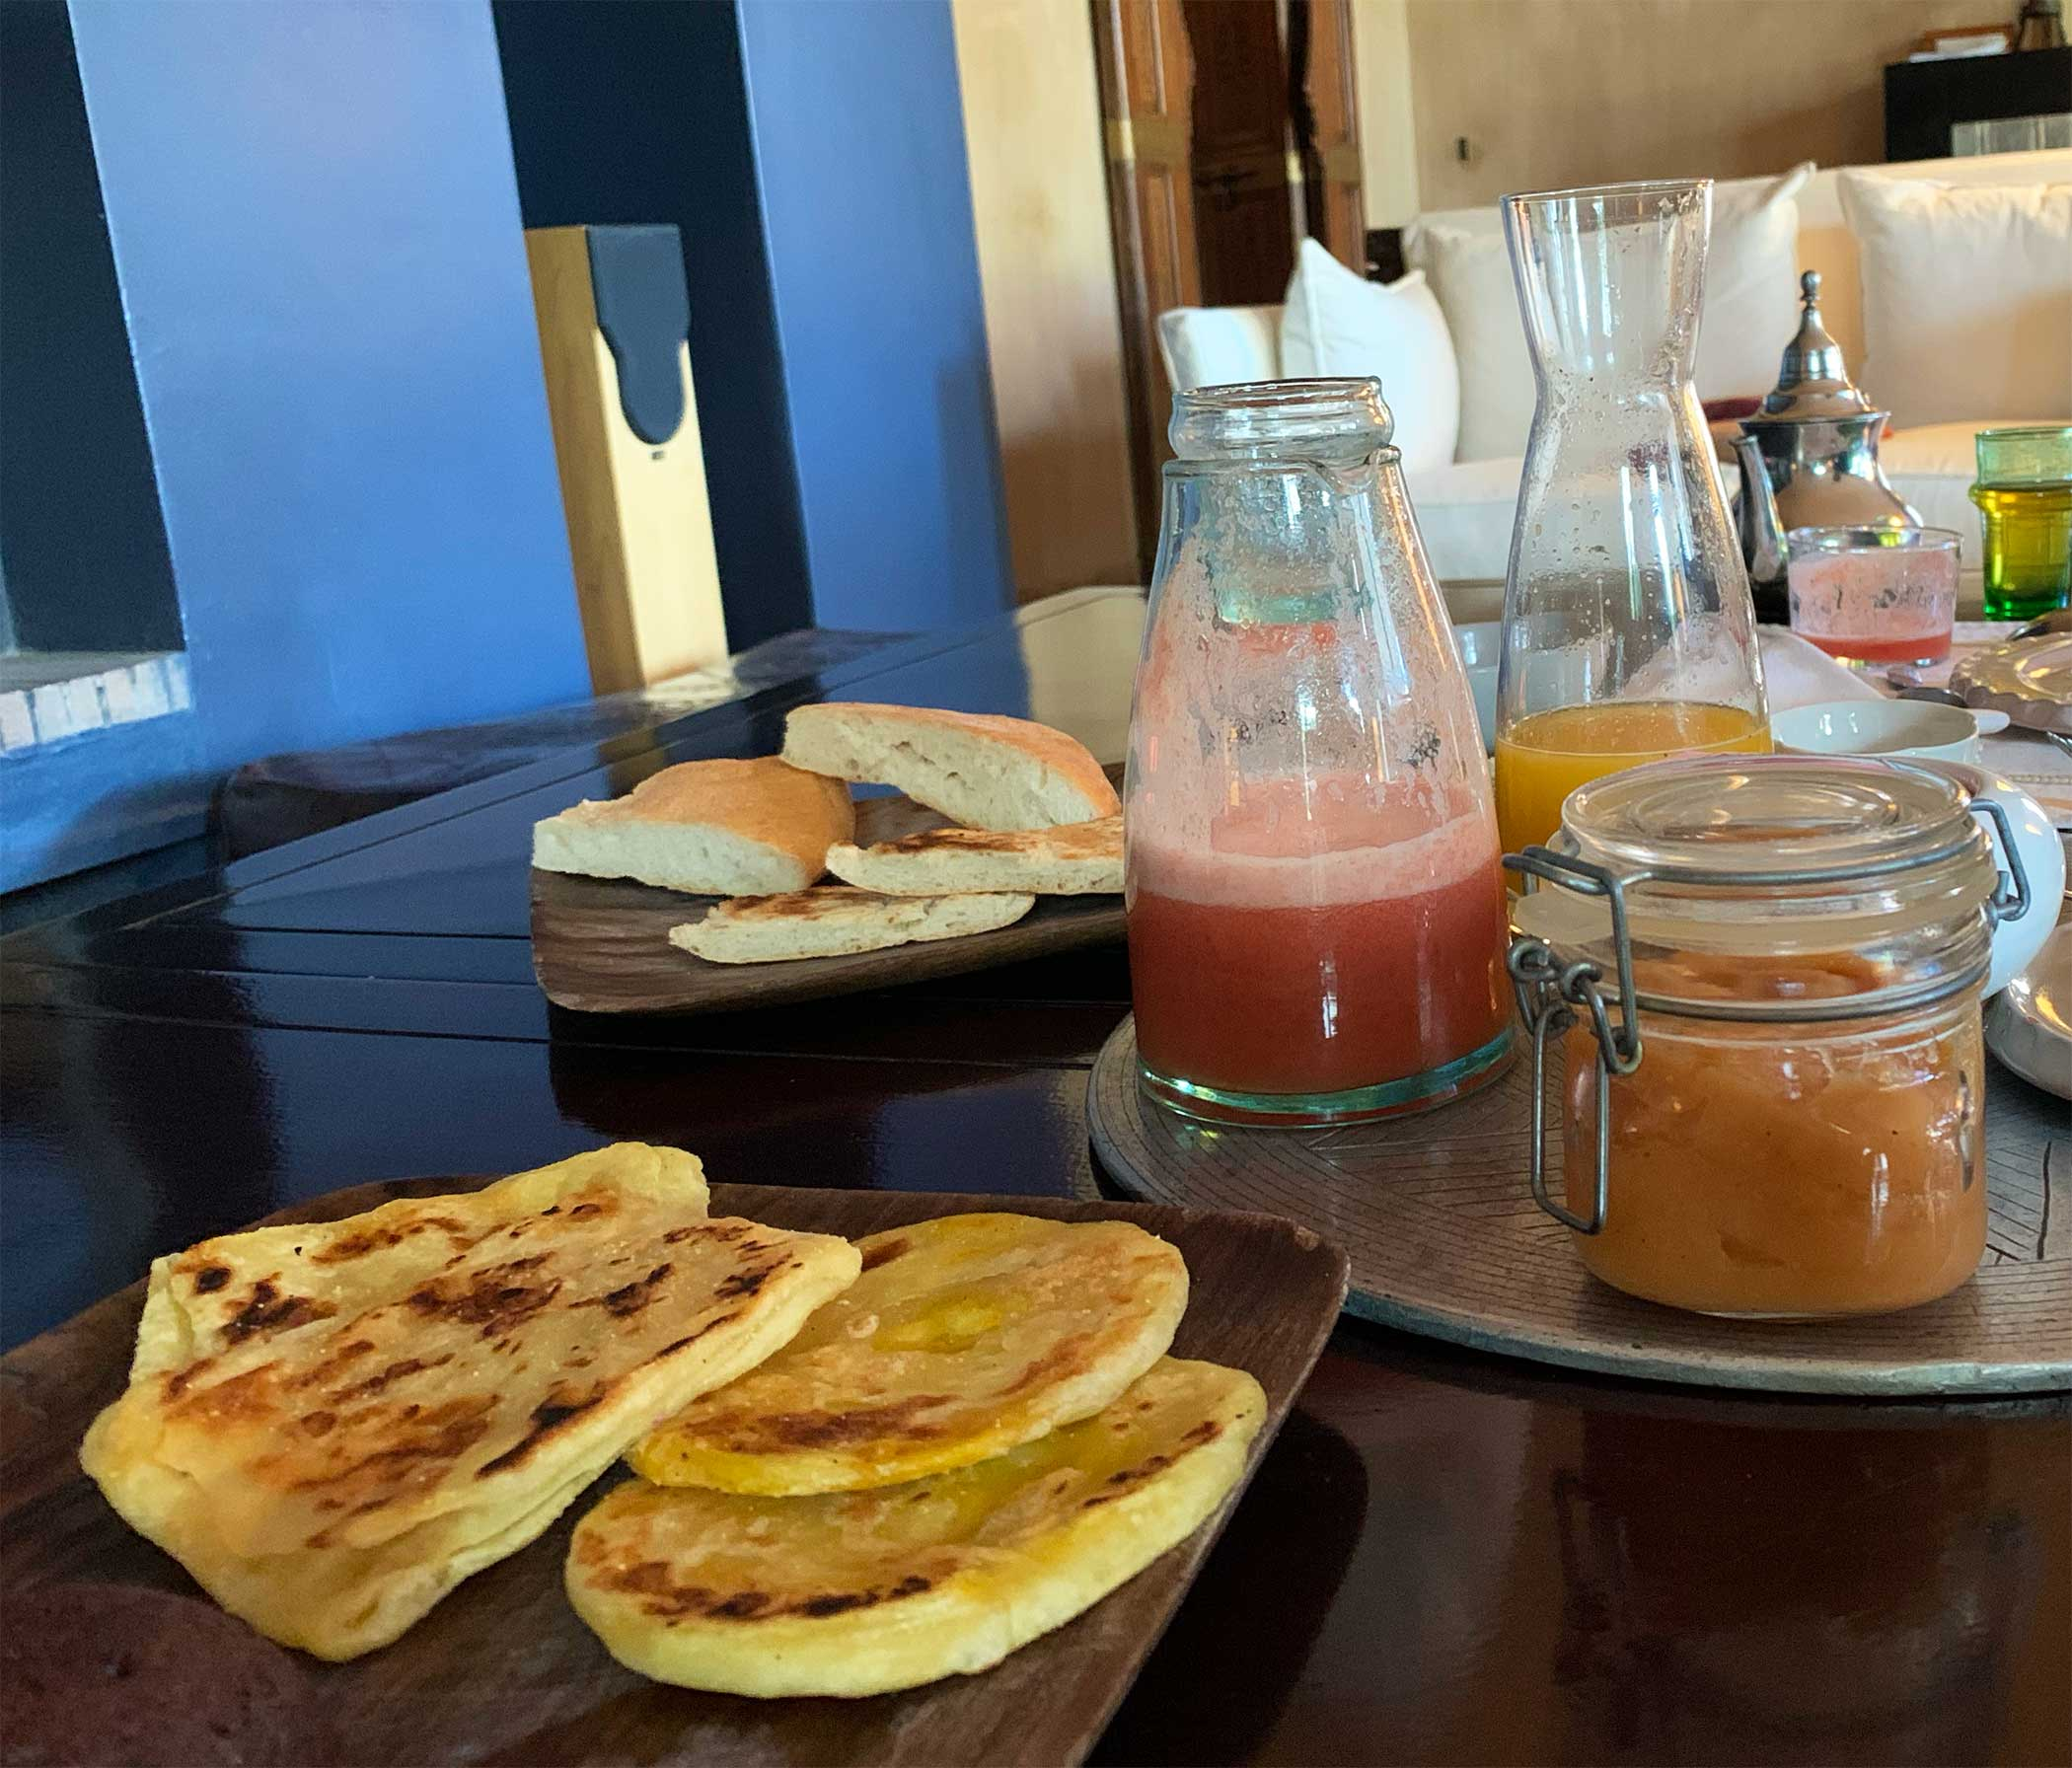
(1808, 458)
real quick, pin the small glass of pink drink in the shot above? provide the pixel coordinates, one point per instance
(1875, 596)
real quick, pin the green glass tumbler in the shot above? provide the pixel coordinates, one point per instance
(2024, 496)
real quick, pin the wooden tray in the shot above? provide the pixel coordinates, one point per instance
(1446, 1241)
(502, 1670)
(601, 945)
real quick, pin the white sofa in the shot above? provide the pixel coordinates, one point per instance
(1464, 509)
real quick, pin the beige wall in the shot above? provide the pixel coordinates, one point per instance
(1569, 92)
(1039, 194)
(1382, 86)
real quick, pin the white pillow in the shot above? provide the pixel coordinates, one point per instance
(1751, 288)
(1470, 275)
(1750, 315)
(1335, 321)
(1967, 297)
(1218, 346)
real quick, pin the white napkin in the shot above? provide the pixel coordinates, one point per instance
(1797, 673)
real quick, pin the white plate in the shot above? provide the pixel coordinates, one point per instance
(2029, 679)
(2029, 1026)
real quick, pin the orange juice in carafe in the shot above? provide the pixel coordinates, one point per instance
(1628, 630)
(1545, 756)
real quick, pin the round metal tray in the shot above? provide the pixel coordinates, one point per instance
(1446, 1241)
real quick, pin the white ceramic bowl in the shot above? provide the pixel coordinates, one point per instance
(2016, 942)
(1917, 729)
(1480, 642)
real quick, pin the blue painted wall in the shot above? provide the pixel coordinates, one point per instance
(317, 238)
(859, 155)
(316, 230)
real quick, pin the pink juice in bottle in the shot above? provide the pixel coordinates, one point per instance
(1321, 942)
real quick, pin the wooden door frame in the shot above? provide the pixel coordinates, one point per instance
(1146, 74)
(1146, 69)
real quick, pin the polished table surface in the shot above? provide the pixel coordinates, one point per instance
(1444, 1557)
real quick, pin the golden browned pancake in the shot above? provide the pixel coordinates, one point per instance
(1070, 859)
(965, 1336)
(834, 922)
(331, 1425)
(859, 1592)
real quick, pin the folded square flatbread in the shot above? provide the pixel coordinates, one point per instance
(332, 1424)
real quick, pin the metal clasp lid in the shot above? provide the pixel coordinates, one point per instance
(2012, 896)
(1550, 994)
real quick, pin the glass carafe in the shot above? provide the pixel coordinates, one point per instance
(1628, 630)
(1315, 902)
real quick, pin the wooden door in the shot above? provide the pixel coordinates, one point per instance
(1325, 117)
(1226, 145)
(1146, 74)
(1244, 218)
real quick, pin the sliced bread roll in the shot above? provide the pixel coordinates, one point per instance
(1073, 859)
(982, 770)
(834, 921)
(718, 828)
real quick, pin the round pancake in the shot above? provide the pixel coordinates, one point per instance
(963, 1336)
(862, 1592)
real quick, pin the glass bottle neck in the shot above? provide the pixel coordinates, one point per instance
(1334, 423)
(1610, 278)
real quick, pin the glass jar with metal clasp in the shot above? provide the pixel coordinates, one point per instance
(1764, 975)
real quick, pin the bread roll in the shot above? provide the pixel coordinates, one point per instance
(978, 770)
(718, 828)
(1073, 859)
(834, 922)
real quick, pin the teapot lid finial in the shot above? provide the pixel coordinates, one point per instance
(1813, 381)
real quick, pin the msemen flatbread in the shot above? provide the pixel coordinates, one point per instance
(859, 1592)
(331, 1425)
(1070, 859)
(834, 922)
(965, 1336)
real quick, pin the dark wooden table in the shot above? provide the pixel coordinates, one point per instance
(1445, 1558)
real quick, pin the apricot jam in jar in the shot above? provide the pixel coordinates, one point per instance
(1765, 976)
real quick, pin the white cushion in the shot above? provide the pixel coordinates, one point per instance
(1469, 271)
(1967, 297)
(1827, 244)
(1751, 287)
(1749, 316)
(1337, 323)
(1464, 511)
(1219, 346)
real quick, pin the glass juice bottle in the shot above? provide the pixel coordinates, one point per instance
(1628, 630)
(1315, 904)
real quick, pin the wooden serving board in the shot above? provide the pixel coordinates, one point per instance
(601, 945)
(503, 1672)
(1437, 1216)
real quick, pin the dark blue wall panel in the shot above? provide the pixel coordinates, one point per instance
(316, 231)
(635, 111)
(866, 206)
(811, 153)
(83, 548)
